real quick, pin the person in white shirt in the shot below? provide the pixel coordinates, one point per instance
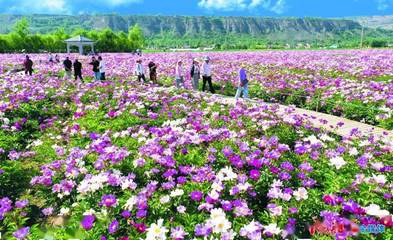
(179, 74)
(207, 75)
(101, 67)
(140, 71)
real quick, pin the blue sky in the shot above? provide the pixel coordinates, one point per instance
(296, 8)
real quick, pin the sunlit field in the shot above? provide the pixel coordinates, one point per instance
(120, 159)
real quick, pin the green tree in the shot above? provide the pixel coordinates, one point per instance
(136, 37)
(21, 28)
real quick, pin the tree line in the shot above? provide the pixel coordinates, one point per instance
(20, 39)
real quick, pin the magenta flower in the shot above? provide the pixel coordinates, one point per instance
(255, 174)
(196, 196)
(108, 201)
(88, 222)
(113, 226)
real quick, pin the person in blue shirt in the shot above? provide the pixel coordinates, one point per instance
(243, 84)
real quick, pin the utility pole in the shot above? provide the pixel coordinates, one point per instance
(362, 37)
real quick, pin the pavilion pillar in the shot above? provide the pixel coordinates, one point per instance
(92, 48)
(68, 48)
(80, 49)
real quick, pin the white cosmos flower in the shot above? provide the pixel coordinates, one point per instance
(217, 186)
(214, 195)
(165, 199)
(326, 138)
(156, 231)
(226, 174)
(221, 225)
(89, 212)
(375, 210)
(272, 228)
(130, 203)
(217, 213)
(380, 179)
(177, 192)
(277, 211)
(300, 194)
(181, 209)
(64, 211)
(313, 140)
(353, 151)
(338, 162)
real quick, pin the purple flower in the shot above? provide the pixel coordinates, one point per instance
(292, 210)
(255, 174)
(141, 213)
(362, 162)
(227, 151)
(88, 222)
(202, 230)
(300, 150)
(108, 200)
(113, 226)
(287, 166)
(47, 211)
(21, 233)
(5, 206)
(21, 203)
(226, 205)
(196, 195)
(284, 176)
(126, 214)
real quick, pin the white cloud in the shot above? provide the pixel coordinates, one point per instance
(383, 4)
(119, 2)
(276, 6)
(58, 6)
(44, 6)
(279, 7)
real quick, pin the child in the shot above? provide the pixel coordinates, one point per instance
(179, 74)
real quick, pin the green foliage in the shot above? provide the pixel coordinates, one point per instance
(20, 39)
(15, 179)
(378, 43)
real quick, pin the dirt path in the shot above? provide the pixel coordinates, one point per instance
(326, 121)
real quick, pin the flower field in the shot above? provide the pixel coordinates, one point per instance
(123, 160)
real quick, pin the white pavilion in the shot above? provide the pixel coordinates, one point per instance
(79, 41)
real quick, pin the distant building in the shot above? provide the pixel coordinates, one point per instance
(80, 42)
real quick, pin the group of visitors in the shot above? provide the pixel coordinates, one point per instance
(68, 69)
(53, 60)
(98, 67)
(196, 72)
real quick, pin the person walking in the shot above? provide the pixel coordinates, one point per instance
(96, 70)
(50, 58)
(195, 74)
(153, 71)
(243, 84)
(28, 65)
(68, 68)
(78, 70)
(179, 74)
(57, 58)
(207, 75)
(101, 67)
(140, 71)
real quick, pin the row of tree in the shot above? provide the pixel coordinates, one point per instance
(21, 39)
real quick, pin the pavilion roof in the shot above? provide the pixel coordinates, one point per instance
(80, 39)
